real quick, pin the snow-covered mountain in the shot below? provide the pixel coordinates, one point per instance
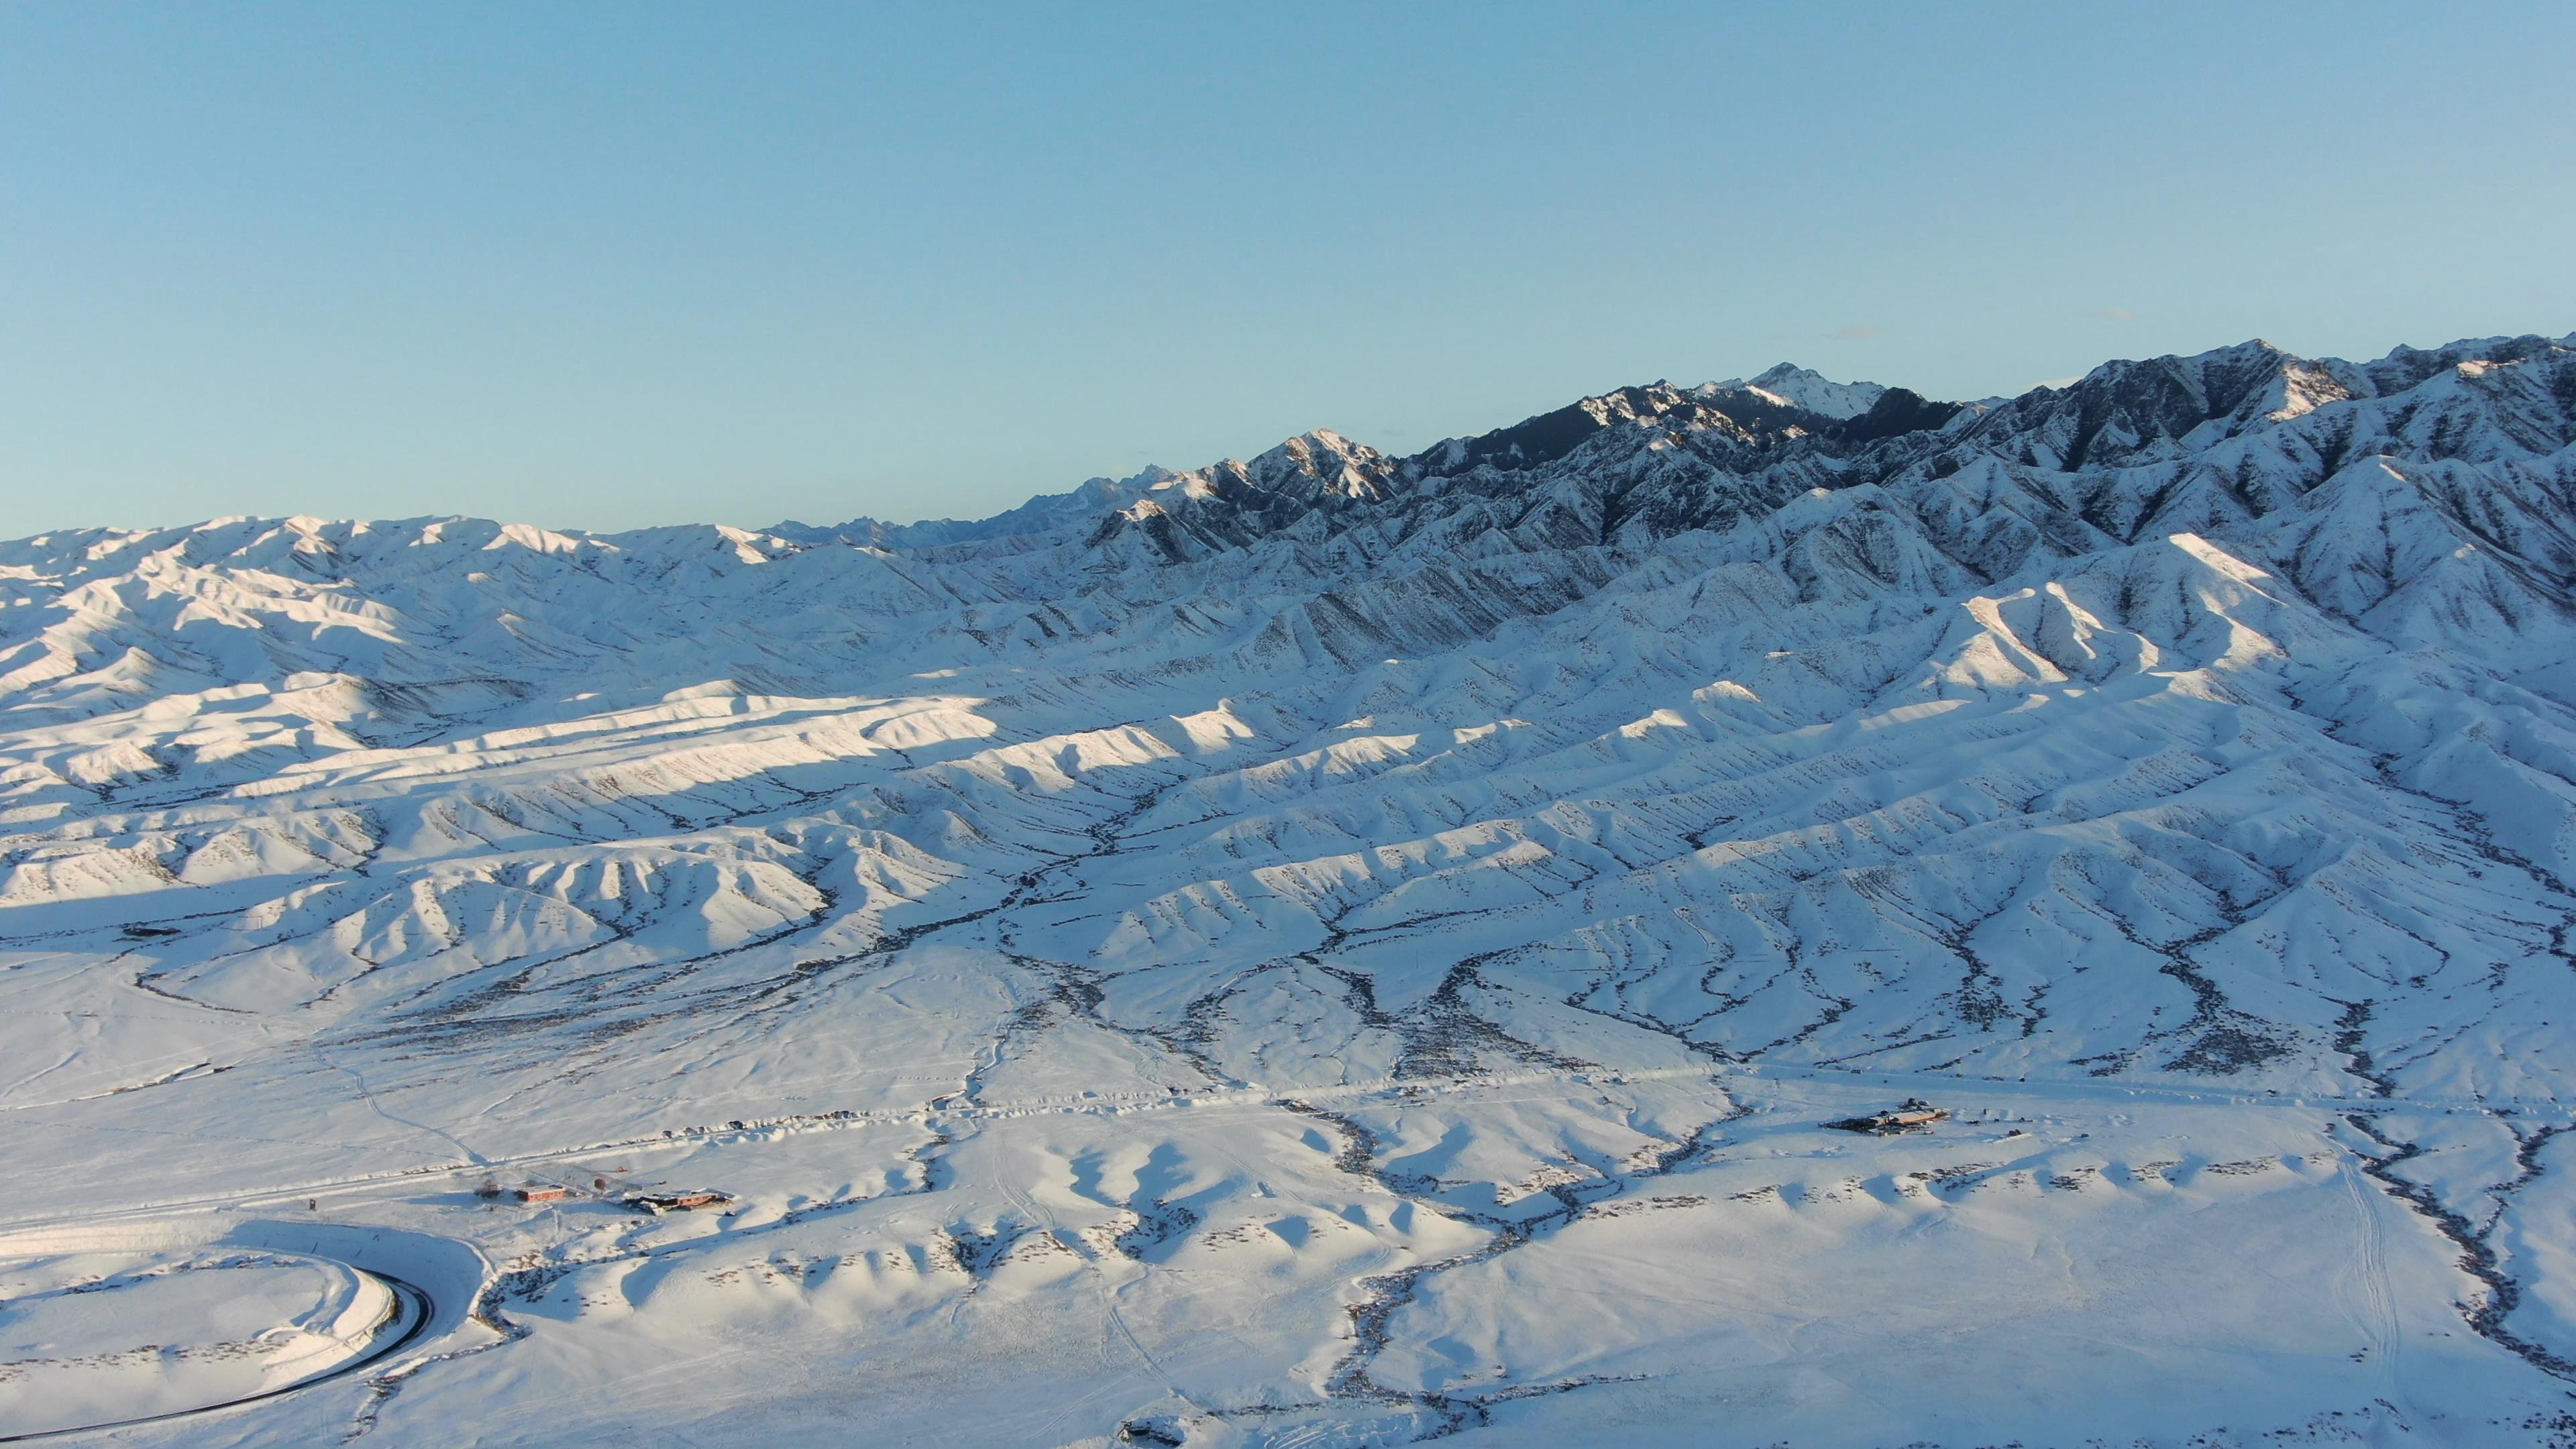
(1341, 948)
(1804, 387)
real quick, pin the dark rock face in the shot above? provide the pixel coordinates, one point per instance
(1897, 411)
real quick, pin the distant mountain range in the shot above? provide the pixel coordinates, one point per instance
(1659, 642)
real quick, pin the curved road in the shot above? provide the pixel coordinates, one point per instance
(406, 1296)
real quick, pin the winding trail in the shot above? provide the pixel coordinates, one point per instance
(2368, 1270)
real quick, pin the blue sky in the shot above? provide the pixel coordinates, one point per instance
(617, 265)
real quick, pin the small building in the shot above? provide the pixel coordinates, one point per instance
(1913, 1115)
(543, 1194)
(691, 1200)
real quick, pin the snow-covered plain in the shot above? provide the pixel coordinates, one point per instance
(1340, 949)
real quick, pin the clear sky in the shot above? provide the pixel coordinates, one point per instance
(622, 264)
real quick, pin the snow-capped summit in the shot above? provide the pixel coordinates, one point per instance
(1805, 388)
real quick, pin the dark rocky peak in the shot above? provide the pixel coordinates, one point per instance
(1317, 468)
(2171, 395)
(2407, 367)
(1742, 413)
(1228, 504)
(2130, 411)
(1322, 465)
(1899, 410)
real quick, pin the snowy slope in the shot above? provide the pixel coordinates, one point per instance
(1340, 948)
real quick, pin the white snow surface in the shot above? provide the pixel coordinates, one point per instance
(1339, 949)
